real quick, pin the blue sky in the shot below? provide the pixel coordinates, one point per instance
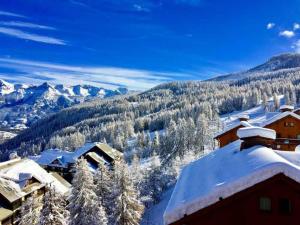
(141, 43)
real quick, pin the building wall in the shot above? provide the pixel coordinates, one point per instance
(283, 130)
(228, 137)
(287, 133)
(243, 207)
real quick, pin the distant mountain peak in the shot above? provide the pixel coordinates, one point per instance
(283, 61)
(275, 63)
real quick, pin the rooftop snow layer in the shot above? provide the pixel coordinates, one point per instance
(47, 157)
(278, 117)
(13, 173)
(256, 131)
(291, 107)
(232, 126)
(225, 172)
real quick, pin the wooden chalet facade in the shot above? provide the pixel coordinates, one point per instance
(228, 136)
(286, 124)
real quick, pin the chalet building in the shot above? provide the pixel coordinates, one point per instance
(246, 182)
(286, 123)
(229, 135)
(62, 162)
(20, 179)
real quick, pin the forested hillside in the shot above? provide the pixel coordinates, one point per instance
(173, 107)
(159, 130)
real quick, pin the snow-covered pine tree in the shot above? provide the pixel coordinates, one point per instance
(54, 209)
(154, 184)
(136, 172)
(85, 207)
(129, 208)
(104, 189)
(30, 211)
(156, 141)
(276, 101)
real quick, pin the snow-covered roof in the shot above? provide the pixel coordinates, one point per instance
(245, 132)
(244, 116)
(225, 172)
(47, 157)
(15, 173)
(233, 126)
(279, 117)
(290, 107)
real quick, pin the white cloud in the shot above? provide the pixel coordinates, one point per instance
(270, 26)
(296, 46)
(107, 77)
(4, 13)
(25, 24)
(32, 37)
(296, 26)
(287, 33)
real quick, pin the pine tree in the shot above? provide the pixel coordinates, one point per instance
(276, 102)
(129, 208)
(156, 141)
(54, 209)
(85, 207)
(153, 184)
(30, 211)
(104, 189)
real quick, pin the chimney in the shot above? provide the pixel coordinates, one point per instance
(252, 136)
(286, 108)
(244, 117)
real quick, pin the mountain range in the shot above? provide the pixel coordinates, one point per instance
(21, 104)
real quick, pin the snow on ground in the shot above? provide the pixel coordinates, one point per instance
(154, 215)
(257, 114)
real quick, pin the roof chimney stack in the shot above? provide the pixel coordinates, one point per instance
(286, 108)
(252, 136)
(244, 117)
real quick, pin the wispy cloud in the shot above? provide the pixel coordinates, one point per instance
(296, 26)
(109, 77)
(287, 33)
(270, 26)
(296, 46)
(32, 37)
(25, 24)
(5, 13)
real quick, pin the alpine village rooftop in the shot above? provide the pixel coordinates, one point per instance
(23, 178)
(253, 178)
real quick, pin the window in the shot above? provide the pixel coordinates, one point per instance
(278, 146)
(298, 136)
(286, 141)
(285, 205)
(265, 204)
(289, 124)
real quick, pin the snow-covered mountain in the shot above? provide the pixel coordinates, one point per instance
(21, 105)
(285, 62)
